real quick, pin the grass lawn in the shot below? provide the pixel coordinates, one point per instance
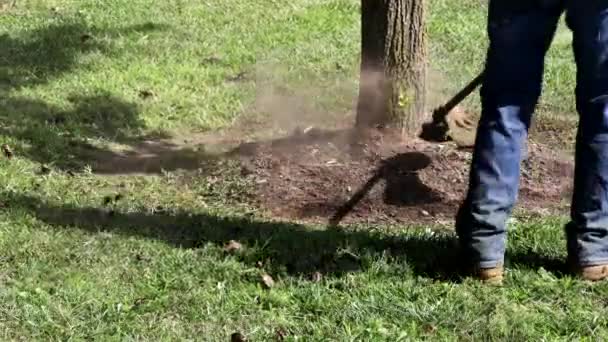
(135, 251)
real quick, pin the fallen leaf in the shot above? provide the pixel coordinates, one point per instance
(430, 329)
(241, 76)
(138, 302)
(313, 132)
(233, 246)
(8, 5)
(267, 281)
(57, 120)
(308, 129)
(44, 169)
(212, 60)
(246, 171)
(85, 37)
(280, 334)
(142, 258)
(146, 94)
(8, 153)
(237, 337)
(107, 200)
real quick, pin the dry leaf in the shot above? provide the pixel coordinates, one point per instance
(280, 334)
(241, 76)
(8, 153)
(237, 337)
(146, 94)
(308, 129)
(212, 60)
(85, 37)
(233, 246)
(430, 329)
(44, 169)
(107, 200)
(267, 281)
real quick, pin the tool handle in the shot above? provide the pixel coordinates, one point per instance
(440, 113)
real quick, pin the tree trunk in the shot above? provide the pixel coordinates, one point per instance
(393, 64)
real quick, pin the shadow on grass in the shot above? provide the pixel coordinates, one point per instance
(68, 140)
(284, 248)
(61, 137)
(37, 56)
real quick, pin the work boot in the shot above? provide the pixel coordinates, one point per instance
(588, 273)
(490, 276)
(594, 273)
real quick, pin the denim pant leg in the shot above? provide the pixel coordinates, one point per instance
(519, 39)
(587, 233)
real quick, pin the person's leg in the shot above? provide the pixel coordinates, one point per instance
(587, 233)
(520, 34)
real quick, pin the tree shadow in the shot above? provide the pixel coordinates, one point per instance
(68, 138)
(36, 56)
(283, 247)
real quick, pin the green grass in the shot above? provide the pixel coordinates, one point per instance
(78, 78)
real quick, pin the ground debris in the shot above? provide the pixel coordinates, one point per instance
(232, 247)
(238, 337)
(280, 334)
(146, 94)
(45, 169)
(85, 37)
(7, 151)
(267, 281)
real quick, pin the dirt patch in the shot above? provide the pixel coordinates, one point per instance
(336, 176)
(150, 156)
(558, 131)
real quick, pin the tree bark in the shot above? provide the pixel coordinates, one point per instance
(393, 64)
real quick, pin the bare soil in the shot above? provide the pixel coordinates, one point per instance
(343, 177)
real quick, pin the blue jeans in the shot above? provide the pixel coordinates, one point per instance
(520, 32)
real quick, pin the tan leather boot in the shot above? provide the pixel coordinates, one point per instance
(490, 276)
(594, 273)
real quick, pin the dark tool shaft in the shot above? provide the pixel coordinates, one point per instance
(440, 113)
(437, 130)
